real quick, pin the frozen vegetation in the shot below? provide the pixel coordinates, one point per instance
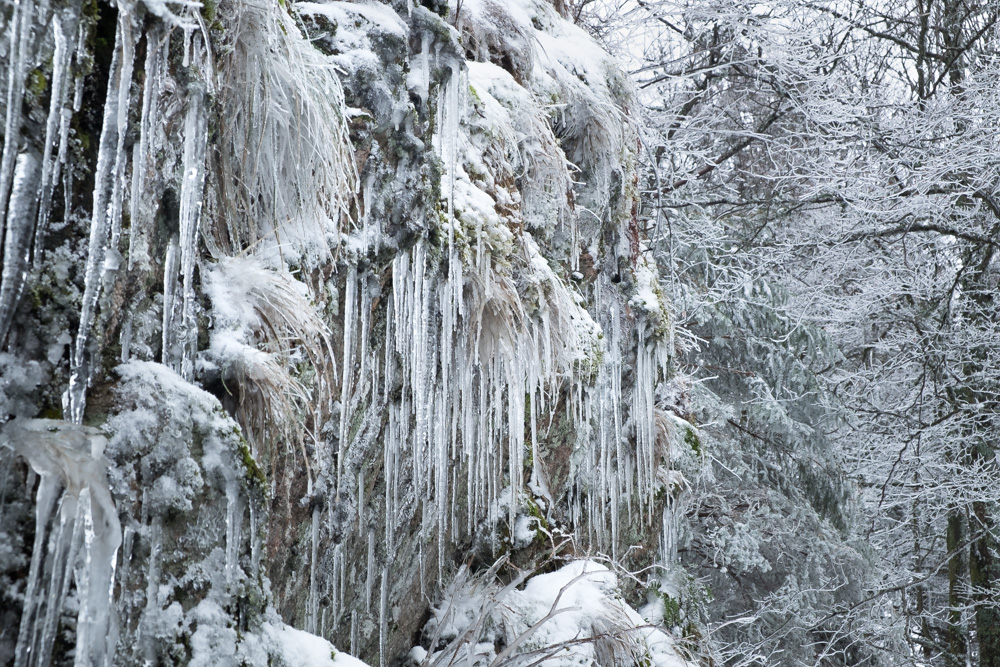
(329, 321)
(430, 333)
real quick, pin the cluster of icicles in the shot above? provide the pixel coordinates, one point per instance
(28, 180)
(479, 375)
(77, 531)
(77, 535)
(470, 381)
(473, 404)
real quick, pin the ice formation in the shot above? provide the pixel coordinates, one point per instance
(77, 535)
(360, 293)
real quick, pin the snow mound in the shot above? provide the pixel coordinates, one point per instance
(297, 647)
(573, 616)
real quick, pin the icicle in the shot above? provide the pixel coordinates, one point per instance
(191, 200)
(128, 542)
(79, 359)
(365, 311)
(254, 541)
(422, 365)
(389, 456)
(445, 139)
(57, 126)
(31, 648)
(69, 456)
(188, 34)
(66, 545)
(152, 584)
(349, 314)
(342, 562)
(383, 616)
(141, 210)
(667, 542)
(456, 526)
(370, 577)
(313, 616)
(96, 633)
(621, 464)
(367, 197)
(644, 418)
(169, 300)
(451, 129)
(126, 338)
(361, 496)
(441, 480)
(536, 482)
(515, 437)
(354, 632)
(17, 241)
(81, 48)
(17, 71)
(234, 526)
(128, 43)
(337, 583)
(421, 557)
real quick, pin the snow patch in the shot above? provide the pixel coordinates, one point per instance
(573, 616)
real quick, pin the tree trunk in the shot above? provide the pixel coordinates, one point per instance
(956, 575)
(983, 570)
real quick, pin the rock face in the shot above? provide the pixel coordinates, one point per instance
(357, 294)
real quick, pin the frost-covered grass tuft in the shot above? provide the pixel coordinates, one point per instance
(264, 327)
(588, 98)
(285, 166)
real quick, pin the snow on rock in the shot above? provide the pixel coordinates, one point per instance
(588, 94)
(196, 592)
(273, 644)
(546, 182)
(380, 19)
(181, 471)
(389, 259)
(296, 647)
(573, 616)
(20, 379)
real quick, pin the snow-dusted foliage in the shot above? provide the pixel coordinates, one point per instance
(357, 292)
(265, 324)
(572, 616)
(827, 213)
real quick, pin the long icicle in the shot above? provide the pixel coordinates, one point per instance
(57, 126)
(192, 200)
(45, 503)
(140, 211)
(17, 52)
(17, 240)
(76, 396)
(17, 245)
